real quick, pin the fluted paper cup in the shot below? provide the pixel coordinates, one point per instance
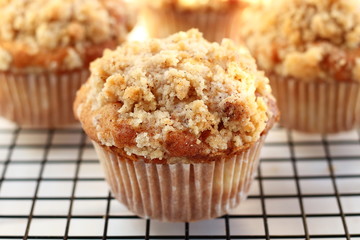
(215, 25)
(40, 100)
(180, 192)
(317, 107)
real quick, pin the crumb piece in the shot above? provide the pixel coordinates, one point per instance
(73, 60)
(198, 117)
(304, 66)
(5, 60)
(145, 146)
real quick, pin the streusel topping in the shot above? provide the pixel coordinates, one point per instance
(38, 26)
(306, 39)
(182, 84)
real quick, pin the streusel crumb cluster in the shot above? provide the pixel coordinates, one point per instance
(36, 26)
(306, 39)
(180, 86)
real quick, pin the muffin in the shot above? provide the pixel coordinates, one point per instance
(310, 50)
(178, 124)
(214, 18)
(45, 50)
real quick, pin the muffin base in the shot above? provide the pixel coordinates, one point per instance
(180, 192)
(317, 107)
(40, 100)
(215, 25)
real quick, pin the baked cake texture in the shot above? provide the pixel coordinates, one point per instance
(178, 124)
(310, 50)
(181, 97)
(46, 47)
(59, 34)
(310, 40)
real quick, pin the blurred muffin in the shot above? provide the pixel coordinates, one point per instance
(45, 50)
(310, 50)
(178, 124)
(215, 18)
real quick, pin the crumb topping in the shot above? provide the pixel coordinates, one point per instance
(196, 4)
(306, 39)
(210, 94)
(36, 26)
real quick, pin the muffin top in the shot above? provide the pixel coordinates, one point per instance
(196, 4)
(306, 39)
(176, 99)
(59, 34)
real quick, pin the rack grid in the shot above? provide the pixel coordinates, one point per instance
(52, 187)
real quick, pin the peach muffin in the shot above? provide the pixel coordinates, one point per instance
(310, 50)
(215, 18)
(178, 124)
(45, 50)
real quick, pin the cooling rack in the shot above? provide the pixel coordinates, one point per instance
(52, 187)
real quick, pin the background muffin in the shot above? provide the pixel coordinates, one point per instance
(178, 124)
(45, 50)
(215, 18)
(310, 49)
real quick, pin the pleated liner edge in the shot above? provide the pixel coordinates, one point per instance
(317, 107)
(180, 192)
(40, 99)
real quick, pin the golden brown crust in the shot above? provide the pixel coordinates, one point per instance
(310, 40)
(201, 108)
(24, 60)
(181, 146)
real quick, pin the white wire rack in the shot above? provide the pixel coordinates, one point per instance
(52, 187)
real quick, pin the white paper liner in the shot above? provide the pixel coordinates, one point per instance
(180, 192)
(317, 107)
(215, 25)
(41, 99)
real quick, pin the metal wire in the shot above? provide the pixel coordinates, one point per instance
(229, 231)
(298, 188)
